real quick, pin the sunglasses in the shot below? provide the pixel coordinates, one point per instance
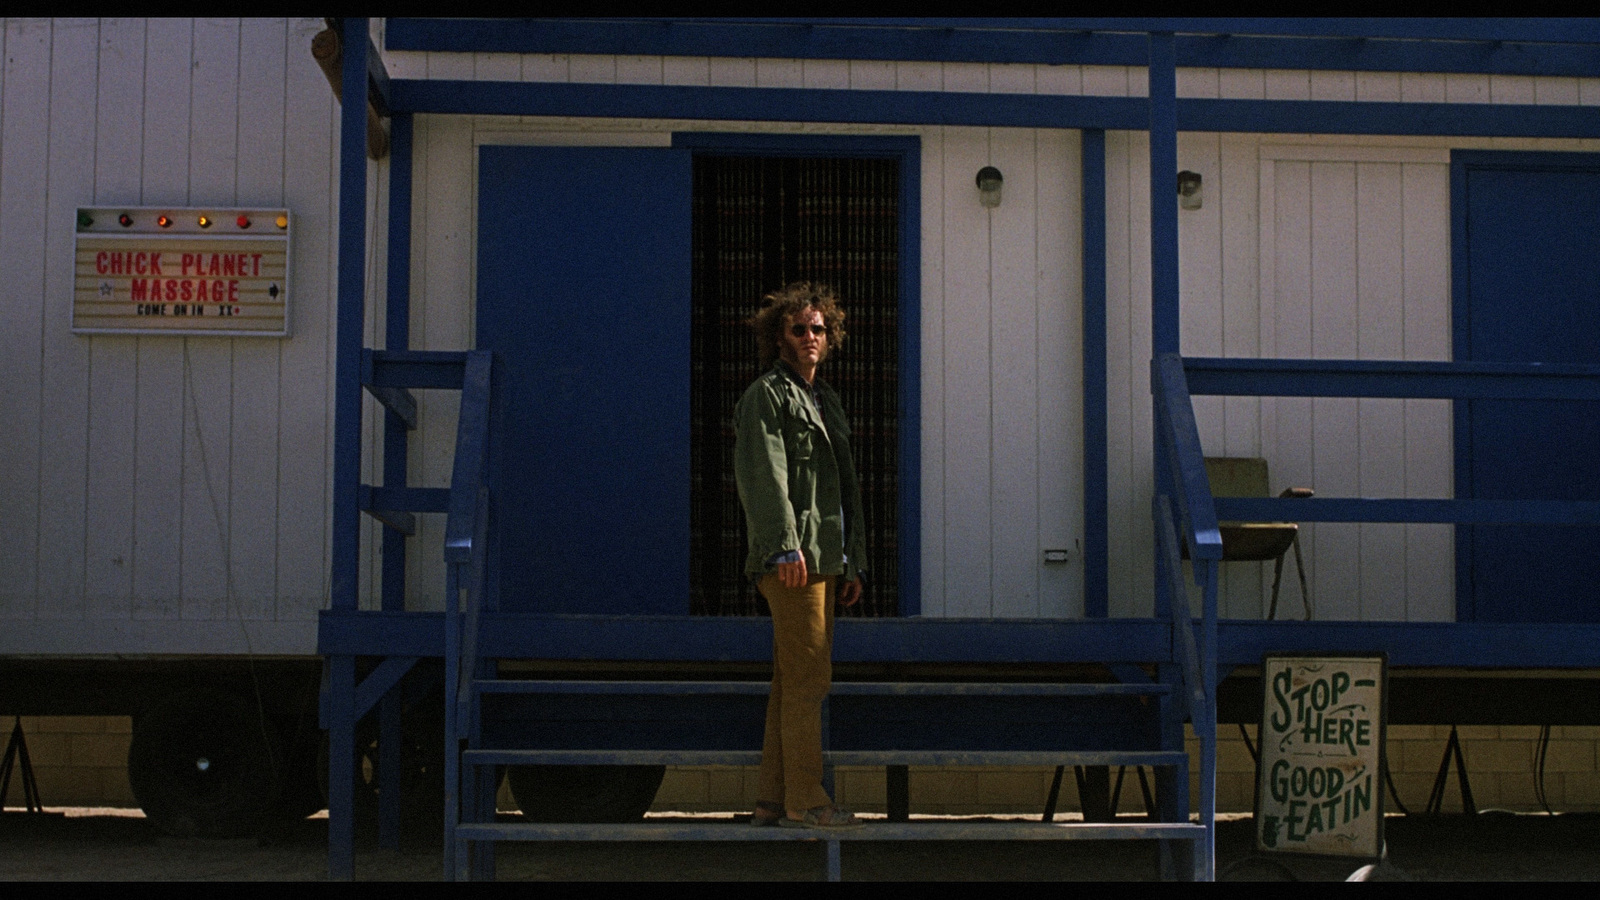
(799, 329)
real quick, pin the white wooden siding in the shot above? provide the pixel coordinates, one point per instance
(1001, 309)
(171, 494)
(1364, 275)
(162, 494)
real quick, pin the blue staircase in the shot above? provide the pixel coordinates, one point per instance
(1136, 720)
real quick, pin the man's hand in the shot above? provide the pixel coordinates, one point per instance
(850, 592)
(793, 575)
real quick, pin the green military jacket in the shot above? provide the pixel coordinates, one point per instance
(797, 479)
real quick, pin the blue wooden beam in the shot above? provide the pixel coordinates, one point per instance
(417, 369)
(1390, 378)
(349, 314)
(405, 499)
(400, 418)
(1460, 512)
(731, 640)
(764, 104)
(1495, 46)
(1163, 127)
(1181, 457)
(1357, 117)
(1096, 480)
(1470, 645)
(402, 406)
(981, 109)
(470, 472)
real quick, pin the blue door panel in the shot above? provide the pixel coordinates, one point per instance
(583, 294)
(1533, 295)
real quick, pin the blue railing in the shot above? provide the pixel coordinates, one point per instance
(1184, 513)
(1396, 379)
(466, 560)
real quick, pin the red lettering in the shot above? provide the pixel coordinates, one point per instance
(257, 258)
(188, 260)
(172, 289)
(141, 289)
(141, 263)
(228, 264)
(155, 264)
(116, 263)
(218, 291)
(233, 292)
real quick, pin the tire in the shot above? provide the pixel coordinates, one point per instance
(205, 764)
(585, 793)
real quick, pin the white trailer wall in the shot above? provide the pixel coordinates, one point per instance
(1307, 246)
(171, 494)
(161, 494)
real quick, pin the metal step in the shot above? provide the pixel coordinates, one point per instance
(873, 830)
(847, 688)
(833, 757)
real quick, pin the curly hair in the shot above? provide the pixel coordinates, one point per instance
(790, 301)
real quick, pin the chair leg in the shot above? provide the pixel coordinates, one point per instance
(1277, 579)
(1300, 568)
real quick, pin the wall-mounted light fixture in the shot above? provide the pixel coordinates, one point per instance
(989, 182)
(1189, 190)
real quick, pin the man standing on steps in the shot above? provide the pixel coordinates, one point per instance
(797, 482)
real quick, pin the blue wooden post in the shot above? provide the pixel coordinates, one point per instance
(1096, 549)
(347, 438)
(397, 336)
(1174, 791)
(396, 439)
(1163, 196)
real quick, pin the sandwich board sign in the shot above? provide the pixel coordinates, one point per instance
(1319, 784)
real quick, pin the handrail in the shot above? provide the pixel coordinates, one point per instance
(1408, 379)
(466, 554)
(1403, 379)
(1170, 584)
(471, 460)
(1179, 437)
(1182, 486)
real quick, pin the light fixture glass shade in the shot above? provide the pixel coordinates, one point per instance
(1189, 190)
(989, 183)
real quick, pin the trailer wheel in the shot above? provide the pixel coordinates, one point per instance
(585, 793)
(205, 764)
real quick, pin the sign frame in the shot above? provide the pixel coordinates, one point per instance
(1322, 737)
(244, 234)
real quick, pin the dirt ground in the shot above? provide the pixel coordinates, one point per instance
(120, 845)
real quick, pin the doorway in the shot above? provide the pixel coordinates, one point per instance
(613, 283)
(760, 222)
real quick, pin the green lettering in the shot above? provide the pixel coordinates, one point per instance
(1281, 683)
(1341, 683)
(1361, 796)
(1314, 819)
(1279, 783)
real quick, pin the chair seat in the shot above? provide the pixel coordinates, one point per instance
(1252, 541)
(1247, 541)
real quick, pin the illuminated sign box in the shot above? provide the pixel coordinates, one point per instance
(164, 270)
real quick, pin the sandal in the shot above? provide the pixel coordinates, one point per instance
(824, 818)
(767, 814)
